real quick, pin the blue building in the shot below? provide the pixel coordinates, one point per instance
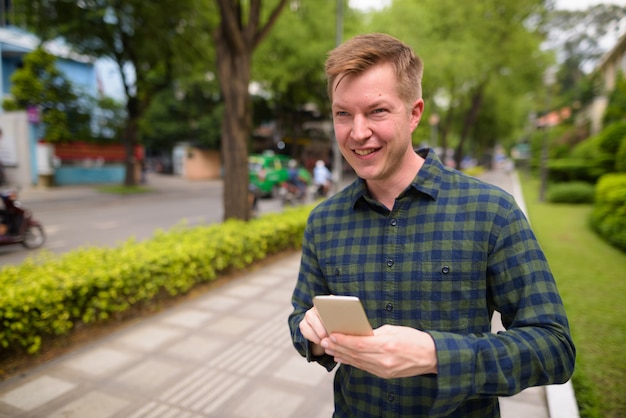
(25, 160)
(15, 43)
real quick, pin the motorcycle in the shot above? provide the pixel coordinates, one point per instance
(322, 190)
(290, 194)
(17, 225)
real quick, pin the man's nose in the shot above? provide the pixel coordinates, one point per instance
(360, 128)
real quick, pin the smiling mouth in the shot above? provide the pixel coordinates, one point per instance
(364, 152)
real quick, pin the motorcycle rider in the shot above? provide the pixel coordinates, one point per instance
(11, 215)
(322, 178)
(294, 179)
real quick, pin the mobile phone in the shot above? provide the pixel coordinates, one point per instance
(343, 314)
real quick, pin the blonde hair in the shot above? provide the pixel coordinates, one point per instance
(362, 52)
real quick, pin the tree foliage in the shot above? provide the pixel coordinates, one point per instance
(145, 39)
(616, 107)
(192, 114)
(481, 61)
(40, 84)
(577, 36)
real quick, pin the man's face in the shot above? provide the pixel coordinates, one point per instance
(372, 123)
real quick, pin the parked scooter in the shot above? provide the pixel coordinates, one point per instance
(17, 225)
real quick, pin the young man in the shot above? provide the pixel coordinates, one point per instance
(431, 253)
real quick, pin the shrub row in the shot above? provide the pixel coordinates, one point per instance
(50, 296)
(608, 217)
(572, 192)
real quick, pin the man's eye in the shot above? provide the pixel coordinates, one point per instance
(379, 111)
(341, 113)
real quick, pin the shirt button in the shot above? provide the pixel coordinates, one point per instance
(389, 262)
(445, 269)
(393, 222)
(389, 307)
(390, 397)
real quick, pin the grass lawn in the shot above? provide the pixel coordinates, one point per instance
(124, 190)
(591, 277)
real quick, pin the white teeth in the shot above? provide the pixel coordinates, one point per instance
(363, 151)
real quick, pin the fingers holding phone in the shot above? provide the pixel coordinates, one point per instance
(313, 330)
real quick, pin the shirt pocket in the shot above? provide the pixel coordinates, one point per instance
(350, 280)
(451, 296)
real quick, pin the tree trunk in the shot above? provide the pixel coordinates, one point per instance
(129, 139)
(235, 41)
(234, 69)
(470, 119)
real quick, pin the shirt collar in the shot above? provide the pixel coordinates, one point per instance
(426, 182)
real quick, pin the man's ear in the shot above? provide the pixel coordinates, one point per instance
(417, 110)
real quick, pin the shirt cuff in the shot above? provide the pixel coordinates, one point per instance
(455, 368)
(325, 360)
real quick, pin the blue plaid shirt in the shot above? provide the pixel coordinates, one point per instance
(451, 252)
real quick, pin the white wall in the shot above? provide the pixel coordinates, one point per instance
(15, 152)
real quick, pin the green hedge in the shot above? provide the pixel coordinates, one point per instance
(50, 296)
(571, 169)
(608, 217)
(571, 192)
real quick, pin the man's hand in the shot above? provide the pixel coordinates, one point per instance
(313, 330)
(393, 351)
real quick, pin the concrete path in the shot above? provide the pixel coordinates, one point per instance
(223, 353)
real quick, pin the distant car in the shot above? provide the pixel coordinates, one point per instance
(268, 171)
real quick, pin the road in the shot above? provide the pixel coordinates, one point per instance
(106, 220)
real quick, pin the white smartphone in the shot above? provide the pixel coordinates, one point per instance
(343, 314)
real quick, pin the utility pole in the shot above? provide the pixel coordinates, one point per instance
(549, 80)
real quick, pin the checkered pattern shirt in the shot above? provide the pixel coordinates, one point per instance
(451, 252)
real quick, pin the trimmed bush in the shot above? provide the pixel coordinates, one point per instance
(50, 296)
(571, 169)
(572, 192)
(620, 158)
(608, 217)
(612, 136)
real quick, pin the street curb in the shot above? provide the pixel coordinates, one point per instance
(561, 398)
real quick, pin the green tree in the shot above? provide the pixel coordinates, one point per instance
(150, 42)
(290, 66)
(477, 56)
(40, 84)
(577, 35)
(616, 108)
(241, 29)
(191, 114)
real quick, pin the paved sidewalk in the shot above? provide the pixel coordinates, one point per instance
(224, 353)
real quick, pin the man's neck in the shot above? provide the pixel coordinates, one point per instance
(386, 191)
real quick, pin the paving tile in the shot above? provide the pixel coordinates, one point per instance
(259, 309)
(148, 375)
(36, 392)
(231, 325)
(265, 279)
(244, 290)
(92, 405)
(219, 303)
(195, 348)
(149, 337)
(203, 391)
(268, 403)
(298, 370)
(189, 318)
(245, 358)
(101, 361)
